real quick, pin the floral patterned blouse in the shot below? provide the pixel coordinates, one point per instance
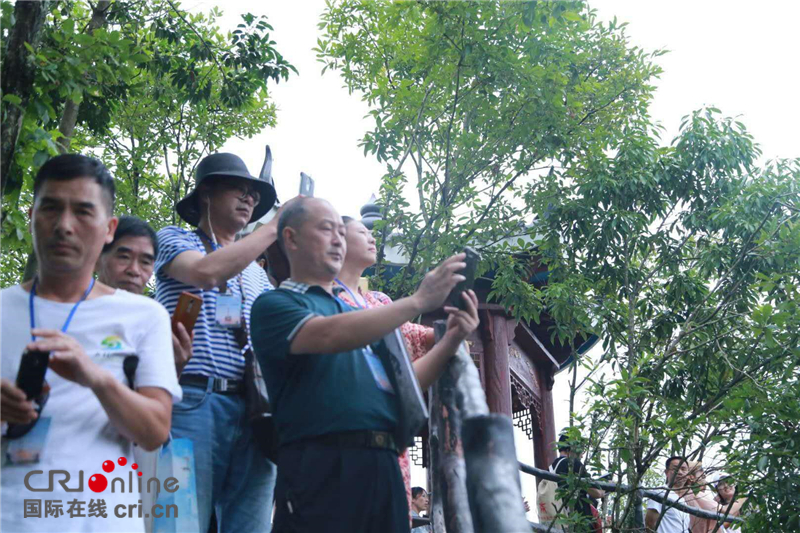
(416, 336)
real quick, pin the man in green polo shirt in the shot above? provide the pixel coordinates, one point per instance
(337, 468)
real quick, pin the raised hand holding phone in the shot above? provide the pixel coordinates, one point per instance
(455, 299)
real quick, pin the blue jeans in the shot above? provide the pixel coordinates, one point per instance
(233, 476)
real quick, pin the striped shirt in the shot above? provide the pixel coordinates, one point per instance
(215, 352)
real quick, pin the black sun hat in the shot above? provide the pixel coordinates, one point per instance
(220, 166)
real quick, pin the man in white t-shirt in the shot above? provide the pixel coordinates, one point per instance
(127, 263)
(673, 520)
(73, 470)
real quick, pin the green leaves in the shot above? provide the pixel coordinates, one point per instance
(157, 89)
(468, 98)
(12, 99)
(522, 128)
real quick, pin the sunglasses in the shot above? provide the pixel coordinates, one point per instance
(245, 191)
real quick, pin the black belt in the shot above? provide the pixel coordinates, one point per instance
(221, 385)
(353, 439)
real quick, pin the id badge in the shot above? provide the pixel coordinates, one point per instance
(28, 449)
(378, 372)
(229, 310)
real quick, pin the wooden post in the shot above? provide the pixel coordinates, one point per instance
(481, 488)
(544, 451)
(495, 360)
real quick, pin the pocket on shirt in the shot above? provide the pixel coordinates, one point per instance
(193, 398)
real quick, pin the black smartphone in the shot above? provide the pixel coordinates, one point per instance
(32, 368)
(472, 260)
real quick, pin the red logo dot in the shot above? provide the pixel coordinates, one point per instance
(108, 466)
(134, 466)
(122, 461)
(98, 483)
(140, 473)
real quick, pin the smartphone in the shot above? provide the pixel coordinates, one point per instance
(472, 260)
(186, 311)
(32, 368)
(306, 185)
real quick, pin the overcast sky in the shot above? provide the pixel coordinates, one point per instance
(741, 57)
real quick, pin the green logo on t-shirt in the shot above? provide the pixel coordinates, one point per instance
(112, 342)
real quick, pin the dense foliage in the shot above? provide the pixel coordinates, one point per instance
(523, 129)
(153, 88)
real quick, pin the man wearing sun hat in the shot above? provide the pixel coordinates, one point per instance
(233, 477)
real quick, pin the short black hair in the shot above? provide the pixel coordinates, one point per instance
(294, 214)
(130, 226)
(563, 443)
(416, 491)
(674, 457)
(72, 166)
(347, 220)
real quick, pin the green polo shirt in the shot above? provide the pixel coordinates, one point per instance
(314, 394)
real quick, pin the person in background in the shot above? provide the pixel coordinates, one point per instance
(420, 503)
(726, 492)
(673, 521)
(127, 263)
(699, 495)
(95, 410)
(583, 503)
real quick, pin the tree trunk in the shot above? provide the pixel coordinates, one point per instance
(70, 116)
(18, 74)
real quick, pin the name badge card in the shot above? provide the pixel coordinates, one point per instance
(378, 372)
(229, 310)
(28, 449)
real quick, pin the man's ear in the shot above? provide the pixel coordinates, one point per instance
(290, 238)
(112, 229)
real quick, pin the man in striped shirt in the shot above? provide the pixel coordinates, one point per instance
(233, 476)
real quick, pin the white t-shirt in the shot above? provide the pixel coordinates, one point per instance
(81, 436)
(674, 521)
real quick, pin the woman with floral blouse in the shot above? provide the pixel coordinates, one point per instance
(361, 254)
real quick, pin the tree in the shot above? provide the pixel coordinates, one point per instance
(200, 90)
(477, 98)
(529, 119)
(686, 261)
(17, 73)
(149, 90)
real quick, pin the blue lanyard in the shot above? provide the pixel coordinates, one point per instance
(71, 313)
(353, 296)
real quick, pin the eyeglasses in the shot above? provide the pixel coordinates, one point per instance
(245, 191)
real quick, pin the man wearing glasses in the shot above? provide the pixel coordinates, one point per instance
(234, 478)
